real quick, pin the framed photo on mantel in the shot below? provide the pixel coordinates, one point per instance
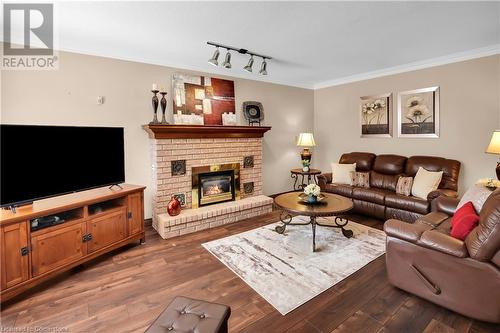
(418, 113)
(376, 116)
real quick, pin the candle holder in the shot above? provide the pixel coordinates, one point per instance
(163, 104)
(155, 106)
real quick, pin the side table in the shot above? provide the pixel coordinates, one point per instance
(306, 178)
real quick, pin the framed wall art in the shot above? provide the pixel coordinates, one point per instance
(376, 116)
(202, 100)
(418, 113)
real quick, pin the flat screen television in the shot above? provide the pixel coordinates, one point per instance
(43, 161)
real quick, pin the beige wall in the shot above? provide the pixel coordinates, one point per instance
(68, 97)
(470, 111)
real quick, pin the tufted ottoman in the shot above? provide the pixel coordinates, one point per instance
(186, 315)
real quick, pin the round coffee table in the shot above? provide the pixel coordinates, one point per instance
(331, 205)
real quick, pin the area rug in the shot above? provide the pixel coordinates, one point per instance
(284, 270)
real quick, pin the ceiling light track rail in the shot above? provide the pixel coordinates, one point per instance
(227, 59)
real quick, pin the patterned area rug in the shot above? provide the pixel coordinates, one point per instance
(284, 270)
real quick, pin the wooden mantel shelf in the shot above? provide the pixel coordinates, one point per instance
(204, 131)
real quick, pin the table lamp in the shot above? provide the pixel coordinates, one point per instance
(494, 148)
(306, 140)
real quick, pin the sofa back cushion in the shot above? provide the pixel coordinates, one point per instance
(386, 171)
(389, 164)
(364, 161)
(450, 168)
(484, 241)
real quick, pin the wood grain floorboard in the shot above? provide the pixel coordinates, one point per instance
(125, 290)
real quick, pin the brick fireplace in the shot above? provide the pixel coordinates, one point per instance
(216, 169)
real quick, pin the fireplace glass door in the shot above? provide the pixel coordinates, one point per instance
(215, 187)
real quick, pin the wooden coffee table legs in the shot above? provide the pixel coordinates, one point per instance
(340, 222)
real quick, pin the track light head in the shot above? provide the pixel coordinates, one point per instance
(214, 60)
(227, 60)
(263, 67)
(248, 67)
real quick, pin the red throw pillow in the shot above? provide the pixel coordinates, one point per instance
(464, 221)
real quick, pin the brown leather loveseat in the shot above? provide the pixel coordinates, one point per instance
(381, 200)
(463, 276)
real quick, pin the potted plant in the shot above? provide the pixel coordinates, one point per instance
(312, 191)
(305, 165)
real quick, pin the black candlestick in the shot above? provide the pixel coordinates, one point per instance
(163, 104)
(155, 106)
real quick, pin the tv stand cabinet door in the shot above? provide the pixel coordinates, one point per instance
(107, 229)
(14, 255)
(56, 248)
(135, 213)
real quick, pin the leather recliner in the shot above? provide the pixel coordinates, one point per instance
(463, 276)
(381, 200)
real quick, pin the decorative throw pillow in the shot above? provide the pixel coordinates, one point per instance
(477, 194)
(464, 221)
(341, 173)
(404, 185)
(360, 179)
(425, 182)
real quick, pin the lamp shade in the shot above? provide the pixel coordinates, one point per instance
(306, 140)
(494, 146)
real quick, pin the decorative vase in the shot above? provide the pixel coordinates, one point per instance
(312, 199)
(163, 104)
(305, 168)
(174, 207)
(154, 103)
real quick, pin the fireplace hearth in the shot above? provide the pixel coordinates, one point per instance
(216, 187)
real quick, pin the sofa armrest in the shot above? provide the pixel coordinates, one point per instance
(441, 192)
(445, 205)
(323, 179)
(410, 232)
(438, 241)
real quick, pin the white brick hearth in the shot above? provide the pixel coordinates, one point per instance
(191, 220)
(204, 152)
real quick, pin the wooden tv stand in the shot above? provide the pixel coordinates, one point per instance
(95, 222)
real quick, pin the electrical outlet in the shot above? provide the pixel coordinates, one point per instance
(100, 100)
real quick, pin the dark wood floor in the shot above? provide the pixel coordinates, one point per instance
(127, 289)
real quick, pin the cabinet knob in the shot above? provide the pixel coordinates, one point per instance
(25, 251)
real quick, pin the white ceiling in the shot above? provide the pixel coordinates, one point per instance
(313, 44)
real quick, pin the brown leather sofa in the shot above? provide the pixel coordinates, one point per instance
(463, 276)
(381, 200)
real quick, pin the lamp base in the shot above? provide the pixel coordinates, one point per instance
(306, 155)
(498, 170)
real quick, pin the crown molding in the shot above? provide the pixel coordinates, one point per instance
(448, 59)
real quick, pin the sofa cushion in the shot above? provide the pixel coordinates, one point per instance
(389, 164)
(383, 181)
(340, 189)
(374, 195)
(403, 186)
(360, 179)
(425, 182)
(412, 204)
(364, 161)
(463, 221)
(450, 168)
(341, 173)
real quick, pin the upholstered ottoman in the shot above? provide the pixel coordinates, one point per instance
(186, 315)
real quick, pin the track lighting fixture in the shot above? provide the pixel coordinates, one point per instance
(248, 67)
(215, 58)
(263, 67)
(227, 59)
